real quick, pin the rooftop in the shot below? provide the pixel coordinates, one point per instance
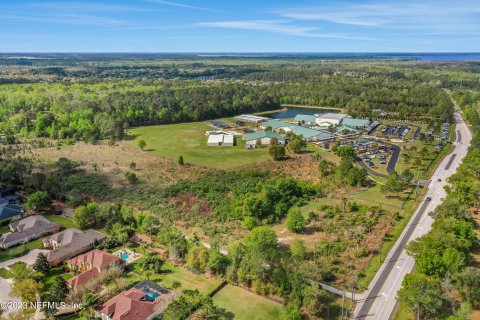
(332, 116)
(29, 226)
(352, 122)
(128, 305)
(263, 134)
(305, 118)
(72, 240)
(9, 210)
(97, 258)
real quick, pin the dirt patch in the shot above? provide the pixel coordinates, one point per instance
(190, 203)
(117, 159)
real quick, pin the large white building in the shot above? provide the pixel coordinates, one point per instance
(216, 140)
(328, 119)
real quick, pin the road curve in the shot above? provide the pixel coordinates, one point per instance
(381, 295)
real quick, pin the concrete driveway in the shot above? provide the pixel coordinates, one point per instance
(5, 284)
(29, 258)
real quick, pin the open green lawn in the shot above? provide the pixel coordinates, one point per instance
(190, 141)
(20, 250)
(374, 195)
(171, 273)
(247, 305)
(189, 280)
(64, 222)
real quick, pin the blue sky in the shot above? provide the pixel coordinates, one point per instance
(239, 26)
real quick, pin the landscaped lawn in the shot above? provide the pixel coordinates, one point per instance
(247, 305)
(189, 280)
(190, 141)
(20, 250)
(64, 222)
(170, 274)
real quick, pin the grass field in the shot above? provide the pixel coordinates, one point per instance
(171, 273)
(189, 280)
(247, 305)
(190, 141)
(65, 223)
(20, 250)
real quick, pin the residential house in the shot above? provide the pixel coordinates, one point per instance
(28, 229)
(10, 210)
(91, 265)
(145, 301)
(71, 242)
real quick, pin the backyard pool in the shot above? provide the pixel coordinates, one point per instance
(123, 255)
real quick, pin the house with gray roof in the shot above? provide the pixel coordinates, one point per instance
(70, 243)
(27, 229)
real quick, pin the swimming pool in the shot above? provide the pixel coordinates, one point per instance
(151, 295)
(123, 255)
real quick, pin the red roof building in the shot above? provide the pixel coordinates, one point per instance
(91, 265)
(128, 305)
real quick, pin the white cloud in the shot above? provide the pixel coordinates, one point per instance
(457, 15)
(280, 26)
(182, 5)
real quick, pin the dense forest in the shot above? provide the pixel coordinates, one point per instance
(67, 107)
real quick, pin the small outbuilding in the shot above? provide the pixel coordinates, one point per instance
(216, 140)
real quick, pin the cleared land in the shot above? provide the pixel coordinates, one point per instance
(190, 141)
(247, 305)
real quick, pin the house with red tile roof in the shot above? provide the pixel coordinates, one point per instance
(91, 265)
(145, 301)
(128, 305)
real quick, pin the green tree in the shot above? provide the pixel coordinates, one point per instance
(468, 282)
(27, 290)
(197, 258)
(180, 160)
(41, 263)
(85, 216)
(296, 144)
(38, 201)
(346, 152)
(59, 290)
(142, 144)
(421, 294)
(295, 221)
(277, 152)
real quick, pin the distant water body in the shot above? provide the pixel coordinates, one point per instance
(407, 56)
(451, 56)
(291, 112)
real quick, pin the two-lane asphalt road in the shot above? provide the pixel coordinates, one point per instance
(382, 292)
